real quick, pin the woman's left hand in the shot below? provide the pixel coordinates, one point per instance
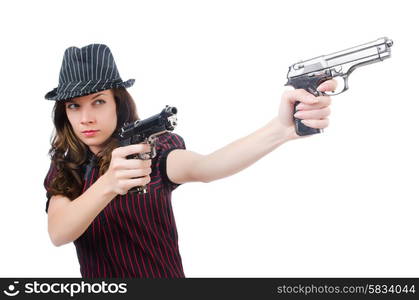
(313, 111)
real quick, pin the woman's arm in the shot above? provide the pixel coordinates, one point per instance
(67, 220)
(186, 166)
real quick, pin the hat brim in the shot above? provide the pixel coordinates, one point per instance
(55, 95)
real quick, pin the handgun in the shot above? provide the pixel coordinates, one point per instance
(147, 131)
(309, 74)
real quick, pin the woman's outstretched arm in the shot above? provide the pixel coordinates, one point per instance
(187, 166)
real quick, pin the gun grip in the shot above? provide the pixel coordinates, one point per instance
(302, 129)
(137, 189)
(143, 156)
(310, 84)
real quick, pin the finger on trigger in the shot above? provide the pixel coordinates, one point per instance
(329, 85)
(143, 148)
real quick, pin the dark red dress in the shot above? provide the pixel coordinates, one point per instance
(135, 235)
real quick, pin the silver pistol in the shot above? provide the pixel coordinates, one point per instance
(309, 74)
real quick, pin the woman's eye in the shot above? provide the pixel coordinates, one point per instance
(74, 105)
(99, 101)
(70, 106)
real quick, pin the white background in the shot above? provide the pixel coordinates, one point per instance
(340, 204)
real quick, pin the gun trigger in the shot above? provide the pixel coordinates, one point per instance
(345, 86)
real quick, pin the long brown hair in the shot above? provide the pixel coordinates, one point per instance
(68, 153)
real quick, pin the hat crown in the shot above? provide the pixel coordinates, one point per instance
(87, 70)
(93, 62)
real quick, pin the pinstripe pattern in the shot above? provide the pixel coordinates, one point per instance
(135, 235)
(85, 71)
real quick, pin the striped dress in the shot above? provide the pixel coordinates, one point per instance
(135, 235)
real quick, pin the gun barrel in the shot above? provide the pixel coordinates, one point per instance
(164, 121)
(378, 49)
(352, 57)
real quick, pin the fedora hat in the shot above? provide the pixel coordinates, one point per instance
(85, 71)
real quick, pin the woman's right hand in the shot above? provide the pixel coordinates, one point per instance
(121, 173)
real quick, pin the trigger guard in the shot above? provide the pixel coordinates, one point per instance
(345, 86)
(145, 156)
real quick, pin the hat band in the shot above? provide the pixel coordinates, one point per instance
(79, 86)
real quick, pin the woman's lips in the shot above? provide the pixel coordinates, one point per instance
(90, 133)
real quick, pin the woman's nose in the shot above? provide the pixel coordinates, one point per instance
(87, 116)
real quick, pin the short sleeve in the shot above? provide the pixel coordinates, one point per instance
(165, 144)
(47, 182)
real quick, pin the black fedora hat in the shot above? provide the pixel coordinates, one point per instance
(87, 70)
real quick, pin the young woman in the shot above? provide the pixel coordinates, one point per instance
(121, 234)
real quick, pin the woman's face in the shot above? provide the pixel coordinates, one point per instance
(93, 118)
